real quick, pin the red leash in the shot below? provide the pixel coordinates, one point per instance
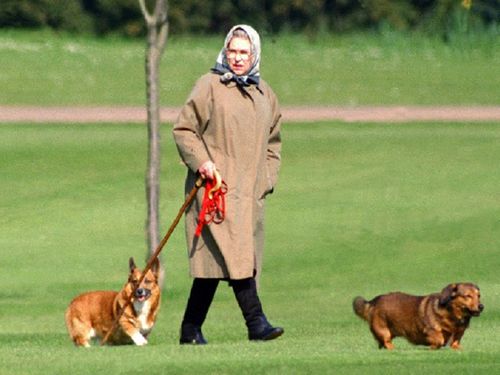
(213, 208)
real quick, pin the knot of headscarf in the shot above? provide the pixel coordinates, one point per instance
(222, 66)
(228, 76)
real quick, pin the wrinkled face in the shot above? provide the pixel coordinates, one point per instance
(239, 55)
(468, 299)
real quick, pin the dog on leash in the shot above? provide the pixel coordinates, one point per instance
(435, 320)
(91, 315)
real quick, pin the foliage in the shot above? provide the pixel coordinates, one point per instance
(56, 14)
(359, 209)
(217, 16)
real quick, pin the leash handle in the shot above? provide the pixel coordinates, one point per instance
(218, 184)
(213, 207)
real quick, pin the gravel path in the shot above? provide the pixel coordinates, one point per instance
(119, 114)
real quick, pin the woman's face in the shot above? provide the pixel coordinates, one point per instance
(239, 55)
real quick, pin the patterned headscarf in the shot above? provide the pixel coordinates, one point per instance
(222, 67)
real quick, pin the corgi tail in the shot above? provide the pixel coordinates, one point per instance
(361, 308)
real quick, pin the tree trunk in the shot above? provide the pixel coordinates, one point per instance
(157, 27)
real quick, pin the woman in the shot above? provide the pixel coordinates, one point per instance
(230, 123)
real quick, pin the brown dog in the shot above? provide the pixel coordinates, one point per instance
(91, 315)
(434, 320)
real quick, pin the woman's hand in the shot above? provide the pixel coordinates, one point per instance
(207, 169)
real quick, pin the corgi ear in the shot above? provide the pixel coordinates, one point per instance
(131, 264)
(447, 294)
(155, 267)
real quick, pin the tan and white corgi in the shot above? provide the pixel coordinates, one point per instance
(91, 315)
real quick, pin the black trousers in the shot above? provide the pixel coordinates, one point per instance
(200, 298)
(202, 294)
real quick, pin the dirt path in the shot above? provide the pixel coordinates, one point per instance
(118, 114)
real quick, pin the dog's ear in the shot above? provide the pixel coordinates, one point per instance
(155, 267)
(447, 294)
(131, 264)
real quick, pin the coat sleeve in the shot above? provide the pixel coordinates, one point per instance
(274, 143)
(190, 124)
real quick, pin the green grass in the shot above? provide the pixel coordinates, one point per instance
(359, 209)
(41, 68)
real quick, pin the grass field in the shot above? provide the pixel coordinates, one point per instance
(360, 209)
(41, 68)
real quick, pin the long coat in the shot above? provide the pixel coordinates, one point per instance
(240, 132)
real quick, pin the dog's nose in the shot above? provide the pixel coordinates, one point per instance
(142, 293)
(481, 307)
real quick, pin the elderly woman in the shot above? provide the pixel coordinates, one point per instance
(230, 123)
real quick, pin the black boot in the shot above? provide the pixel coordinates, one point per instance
(258, 327)
(200, 298)
(191, 334)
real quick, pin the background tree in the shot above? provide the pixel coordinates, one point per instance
(123, 17)
(157, 32)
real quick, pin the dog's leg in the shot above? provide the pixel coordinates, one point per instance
(133, 332)
(80, 332)
(136, 336)
(455, 344)
(436, 339)
(385, 344)
(382, 334)
(455, 339)
(139, 339)
(389, 345)
(81, 341)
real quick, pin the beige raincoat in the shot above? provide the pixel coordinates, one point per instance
(240, 132)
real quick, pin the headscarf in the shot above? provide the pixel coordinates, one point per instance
(222, 67)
